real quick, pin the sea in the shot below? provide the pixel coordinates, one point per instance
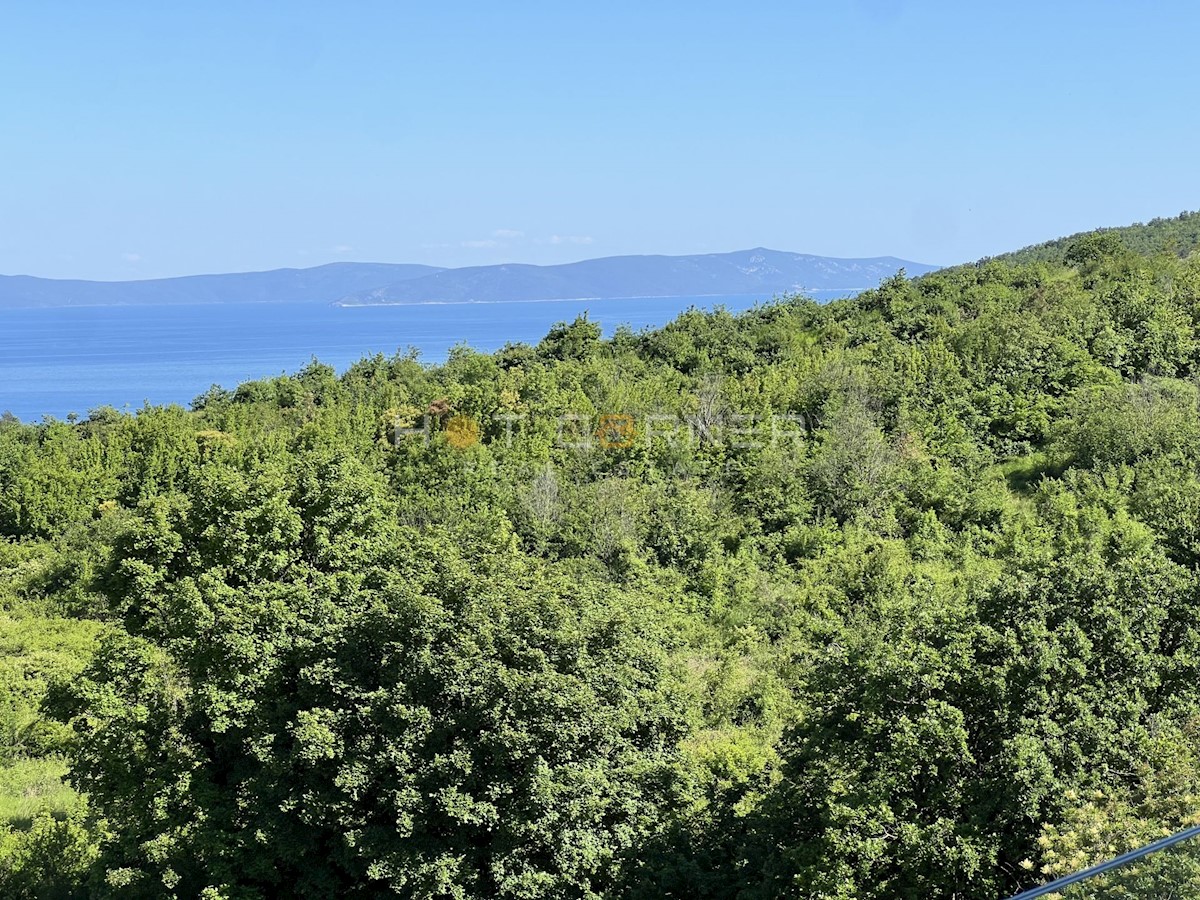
(55, 362)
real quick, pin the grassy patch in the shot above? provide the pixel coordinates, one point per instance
(29, 787)
(1023, 473)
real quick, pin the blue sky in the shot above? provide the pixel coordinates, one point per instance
(151, 139)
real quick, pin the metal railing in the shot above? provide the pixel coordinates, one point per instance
(1127, 888)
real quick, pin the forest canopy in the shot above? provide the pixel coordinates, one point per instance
(893, 597)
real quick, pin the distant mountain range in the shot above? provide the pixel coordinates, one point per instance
(321, 284)
(758, 271)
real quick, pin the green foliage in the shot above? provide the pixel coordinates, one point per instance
(890, 598)
(1154, 419)
(49, 860)
(1179, 235)
(576, 341)
(374, 709)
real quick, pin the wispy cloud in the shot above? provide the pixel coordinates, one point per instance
(513, 238)
(501, 237)
(342, 248)
(132, 257)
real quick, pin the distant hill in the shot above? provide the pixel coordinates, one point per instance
(1179, 235)
(320, 284)
(757, 271)
(764, 272)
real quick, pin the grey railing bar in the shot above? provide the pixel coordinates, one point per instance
(1114, 863)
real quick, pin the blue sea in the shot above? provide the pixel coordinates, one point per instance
(58, 361)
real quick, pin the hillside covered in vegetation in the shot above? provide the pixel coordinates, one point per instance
(895, 597)
(1179, 236)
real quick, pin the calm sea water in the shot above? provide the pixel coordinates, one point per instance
(57, 361)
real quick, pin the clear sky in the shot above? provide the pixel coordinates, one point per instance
(162, 138)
